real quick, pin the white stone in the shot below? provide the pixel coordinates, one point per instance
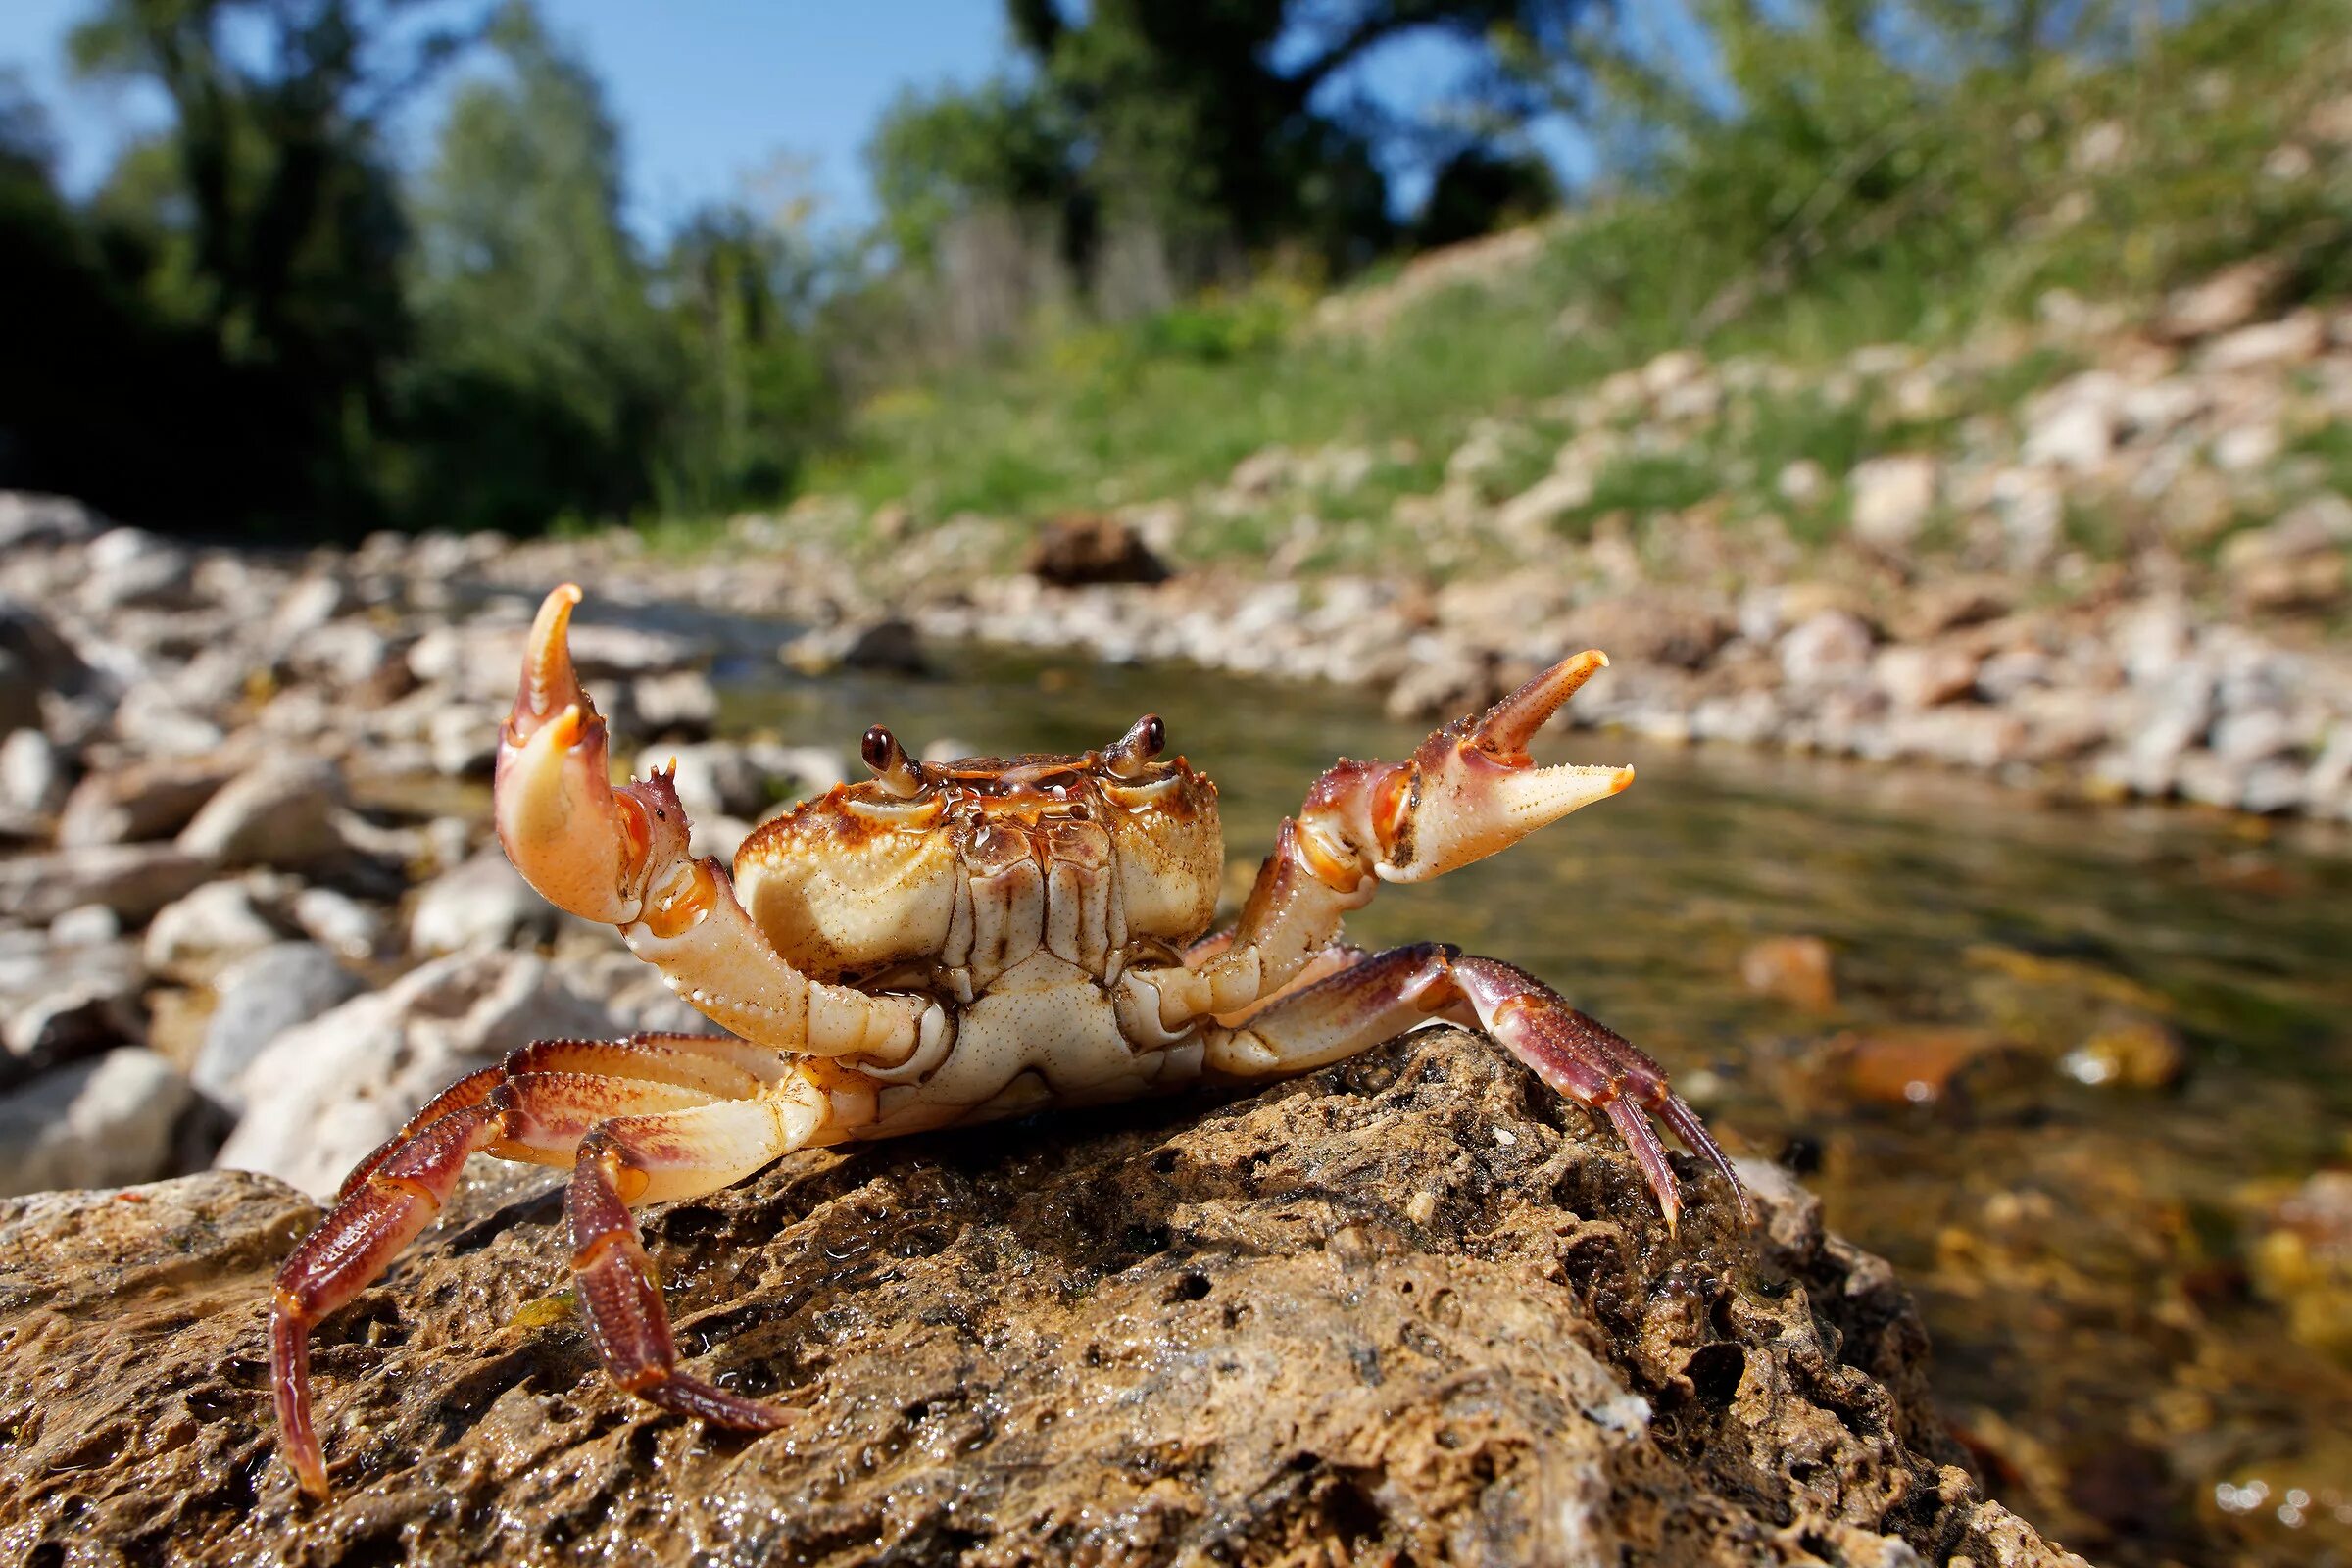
(101, 1124)
(32, 775)
(195, 937)
(339, 922)
(2288, 341)
(259, 997)
(326, 1092)
(280, 812)
(483, 903)
(1531, 515)
(1829, 646)
(1892, 498)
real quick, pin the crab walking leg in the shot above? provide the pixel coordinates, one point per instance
(1392, 992)
(619, 855)
(640, 1159)
(720, 1066)
(536, 1116)
(1466, 791)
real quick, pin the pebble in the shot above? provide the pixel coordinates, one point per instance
(483, 903)
(257, 999)
(106, 1122)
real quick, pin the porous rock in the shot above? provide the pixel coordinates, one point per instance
(1408, 1308)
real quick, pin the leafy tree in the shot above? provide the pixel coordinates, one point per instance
(265, 219)
(742, 294)
(545, 369)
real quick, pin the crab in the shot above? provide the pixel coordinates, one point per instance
(947, 944)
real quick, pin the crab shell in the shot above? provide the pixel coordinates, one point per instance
(986, 861)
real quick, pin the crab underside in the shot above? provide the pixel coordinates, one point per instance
(946, 943)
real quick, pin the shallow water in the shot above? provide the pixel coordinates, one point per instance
(2110, 1339)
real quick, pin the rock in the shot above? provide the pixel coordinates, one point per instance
(2073, 426)
(1892, 498)
(1445, 681)
(130, 566)
(2129, 1052)
(325, 1092)
(29, 519)
(32, 775)
(713, 778)
(1827, 646)
(2288, 341)
(140, 801)
(339, 922)
(464, 741)
(1089, 548)
(892, 645)
(134, 880)
(1791, 969)
(2304, 1261)
(683, 703)
(97, 1123)
(483, 903)
(1904, 1066)
(59, 1002)
(41, 659)
(1262, 473)
(1298, 1326)
(1914, 677)
(2222, 302)
(86, 926)
(1802, 482)
(1949, 605)
(194, 937)
(1533, 515)
(2295, 562)
(1672, 632)
(280, 812)
(260, 997)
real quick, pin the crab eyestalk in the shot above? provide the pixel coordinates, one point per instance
(588, 848)
(1469, 789)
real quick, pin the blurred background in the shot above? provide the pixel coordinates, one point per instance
(1942, 410)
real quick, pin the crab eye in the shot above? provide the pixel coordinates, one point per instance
(1145, 739)
(888, 759)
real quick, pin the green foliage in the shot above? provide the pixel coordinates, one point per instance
(936, 156)
(546, 367)
(1828, 195)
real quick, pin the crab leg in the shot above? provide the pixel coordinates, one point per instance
(1467, 791)
(619, 855)
(728, 1069)
(517, 1110)
(1393, 991)
(638, 1159)
(538, 1115)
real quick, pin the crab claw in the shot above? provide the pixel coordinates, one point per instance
(1467, 791)
(588, 848)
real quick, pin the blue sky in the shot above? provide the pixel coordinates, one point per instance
(707, 90)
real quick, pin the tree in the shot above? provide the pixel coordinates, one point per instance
(545, 371)
(266, 218)
(743, 290)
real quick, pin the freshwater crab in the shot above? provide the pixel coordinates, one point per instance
(947, 944)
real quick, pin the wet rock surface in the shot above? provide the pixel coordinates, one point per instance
(1408, 1308)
